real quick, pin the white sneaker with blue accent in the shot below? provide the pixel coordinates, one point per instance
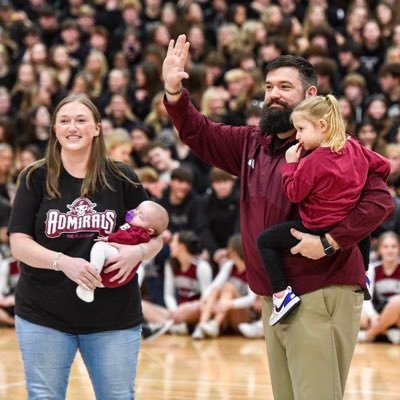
(283, 306)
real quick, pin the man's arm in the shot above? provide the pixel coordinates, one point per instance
(376, 204)
(216, 144)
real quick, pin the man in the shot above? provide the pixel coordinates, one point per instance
(310, 353)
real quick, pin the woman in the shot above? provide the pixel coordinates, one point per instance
(381, 315)
(36, 121)
(228, 300)
(62, 204)
(185, 281)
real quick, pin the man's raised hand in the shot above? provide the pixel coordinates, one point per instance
(173, 70)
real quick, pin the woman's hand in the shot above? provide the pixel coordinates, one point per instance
(80, 271)
(174, 63)
(128, 257)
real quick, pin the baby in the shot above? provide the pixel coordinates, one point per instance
(147, 220)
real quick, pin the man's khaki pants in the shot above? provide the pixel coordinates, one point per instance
(310, 351)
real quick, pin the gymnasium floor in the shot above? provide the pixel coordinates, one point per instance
(228, 368)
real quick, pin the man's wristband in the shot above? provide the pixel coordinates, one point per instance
(174, 93)
(328, 248)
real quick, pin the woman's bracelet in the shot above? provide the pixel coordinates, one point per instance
(174, 93)
(55, 262)
(142, 252)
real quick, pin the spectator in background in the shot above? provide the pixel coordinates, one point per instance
(7, 131)
(48, 24)
(150, 180)
(200, 48)
(355, 90)
(347, 113)
(160, 157)
(169, 17)
(6, 106)
(70, 35)
(141, 137)
(159, 121)
(369, 137)
(373, 50)
(213, 104)
(26, 156)
(81, 84)
(7, 300)
(50, 90)
(159, 35)
(117, 83)
(227, 301)
(96, 66)
(187, 278)
(119, 112)
(356, 18)
(253, 112)
(179, 200)
(393, 55)
(376, 112)
(119, 146)
(236, 83)
(147, 83)
(64, 65)
(392, 153)
(25, 90)
(99, 40)
(86, 19)
(386, 17)
(217, 214)
(7, 187)
(215, 68)
(273, 47)
(36, 123)
(326, 70)
(381, 315)
(38, 57)
(7, 73)
(389, 80)
(349, 54)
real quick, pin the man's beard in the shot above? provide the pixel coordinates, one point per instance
(275, 120)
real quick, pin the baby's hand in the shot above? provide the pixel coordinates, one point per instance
(101, 239)
(293, 153)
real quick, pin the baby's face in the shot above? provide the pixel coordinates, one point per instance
(136, 217)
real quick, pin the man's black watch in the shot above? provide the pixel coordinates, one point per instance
(328, 249)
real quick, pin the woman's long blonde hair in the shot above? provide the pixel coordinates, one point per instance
(327, 108)
(98, 164)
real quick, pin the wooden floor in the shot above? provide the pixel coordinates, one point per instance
(230, 368)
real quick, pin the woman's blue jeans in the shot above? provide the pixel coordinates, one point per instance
(110, 358)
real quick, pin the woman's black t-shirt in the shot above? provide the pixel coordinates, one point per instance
(69, 224)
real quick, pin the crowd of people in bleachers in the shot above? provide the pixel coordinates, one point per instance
(112, 51)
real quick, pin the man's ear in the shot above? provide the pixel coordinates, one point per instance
(311, 91)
